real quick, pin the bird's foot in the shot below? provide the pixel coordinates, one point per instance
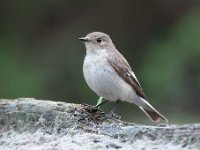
(93, 112)
(91, 107)
(112, 115)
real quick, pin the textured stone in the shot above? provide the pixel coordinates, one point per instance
(27, 123)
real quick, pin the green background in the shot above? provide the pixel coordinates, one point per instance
(41, 57)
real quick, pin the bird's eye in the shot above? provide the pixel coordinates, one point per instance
(99, 40)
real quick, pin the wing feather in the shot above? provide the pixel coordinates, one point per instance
(123, 69)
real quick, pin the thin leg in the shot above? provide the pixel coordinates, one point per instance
(100, 100)
(115, 107)
(112, 112)
(103, 102)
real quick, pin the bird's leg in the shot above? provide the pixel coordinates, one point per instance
(100, 102)
(112, 112)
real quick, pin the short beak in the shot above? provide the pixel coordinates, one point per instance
(84, 39)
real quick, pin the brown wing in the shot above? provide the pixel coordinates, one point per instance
(123, 69)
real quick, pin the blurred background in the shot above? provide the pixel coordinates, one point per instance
(41, 57)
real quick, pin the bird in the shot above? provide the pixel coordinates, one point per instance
(109, 75)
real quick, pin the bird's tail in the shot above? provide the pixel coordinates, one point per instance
(150, 111)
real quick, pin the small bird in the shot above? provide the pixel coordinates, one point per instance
(109, 74)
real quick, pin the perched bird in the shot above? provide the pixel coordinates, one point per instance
(109, 75)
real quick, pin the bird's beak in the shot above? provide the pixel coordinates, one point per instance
(84, 39)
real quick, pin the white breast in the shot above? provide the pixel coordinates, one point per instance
(104, 81)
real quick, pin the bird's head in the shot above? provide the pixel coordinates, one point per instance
(97, 41)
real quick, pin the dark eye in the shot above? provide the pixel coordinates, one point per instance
(99, 40)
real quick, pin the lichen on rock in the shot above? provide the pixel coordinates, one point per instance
(28, 123)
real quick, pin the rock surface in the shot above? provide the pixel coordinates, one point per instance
(27, 123)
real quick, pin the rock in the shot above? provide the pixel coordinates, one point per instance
(28, 123)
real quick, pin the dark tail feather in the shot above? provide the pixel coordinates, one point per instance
(154, 116)
(151, 112)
